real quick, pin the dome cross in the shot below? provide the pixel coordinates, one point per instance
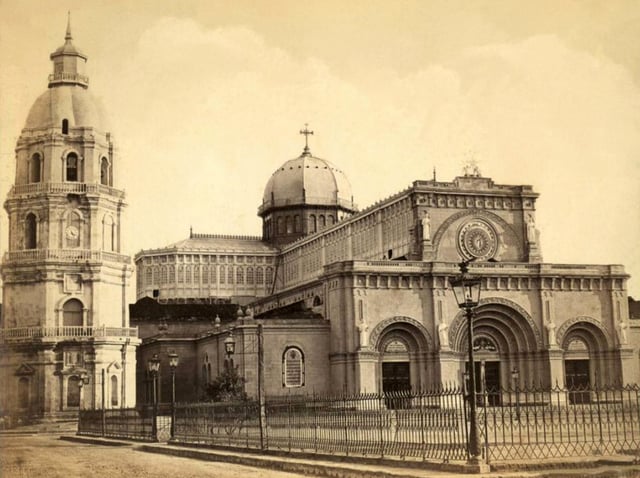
(306, 134)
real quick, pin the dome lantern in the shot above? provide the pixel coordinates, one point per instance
(68, 63)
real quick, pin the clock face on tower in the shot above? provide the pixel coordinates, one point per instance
(477, 240)
(72, 232)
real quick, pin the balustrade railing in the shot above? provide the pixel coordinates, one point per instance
(65, 255)
(19, 334)
(64, 188)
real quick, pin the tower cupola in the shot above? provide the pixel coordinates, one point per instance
(68, 63)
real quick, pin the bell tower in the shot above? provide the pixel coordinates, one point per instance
(65, 341)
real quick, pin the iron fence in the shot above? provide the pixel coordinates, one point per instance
(513, 424)
(408, 424)
(126, 423)
(557, 422)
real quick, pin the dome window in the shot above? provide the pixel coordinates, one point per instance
(65, 126)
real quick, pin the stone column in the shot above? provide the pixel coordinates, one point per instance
(366, 371)
(628, 366)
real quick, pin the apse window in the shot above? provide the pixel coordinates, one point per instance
(292, 368)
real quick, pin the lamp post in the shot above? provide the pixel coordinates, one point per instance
(173, 364)
(467, 293)
(515, 375)
(229, 349)
(154, 367)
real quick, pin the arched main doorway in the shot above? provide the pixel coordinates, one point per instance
(506, 345)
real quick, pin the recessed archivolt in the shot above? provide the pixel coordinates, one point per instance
(511, 325)
(591, 326)
(374, 338)
(437, 237)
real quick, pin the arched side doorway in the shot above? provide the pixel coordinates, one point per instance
(588, 357)
(402, 345)
(506, 345)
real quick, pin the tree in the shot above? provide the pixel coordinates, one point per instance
(226, 387)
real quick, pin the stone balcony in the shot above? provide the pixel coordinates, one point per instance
(35, 189)
(63, 255)
(56, 334)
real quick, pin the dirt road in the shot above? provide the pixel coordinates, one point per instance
(45, 456)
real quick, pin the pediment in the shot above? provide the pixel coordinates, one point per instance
(25, 369)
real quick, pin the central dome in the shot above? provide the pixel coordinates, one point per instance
(307, 180)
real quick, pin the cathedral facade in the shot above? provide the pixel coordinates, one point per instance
(65, 341)
(360, 301)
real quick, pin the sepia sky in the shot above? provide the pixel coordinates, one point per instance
(206, 98)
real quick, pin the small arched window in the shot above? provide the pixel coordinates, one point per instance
(35, 167)
(239, 275)
(259, 275)
(296, 223)
(313, 226)
(222, 275)
(288, 225)
(280, 225)
(331, 220)
(65, 126)
(105, 172)
(30, 232)
(114, 391)
(187, 275)
(321, 220)
(250, 275)
(230, 275)
(292, 367)
(72, 313)
(72, 167)
(269, 275)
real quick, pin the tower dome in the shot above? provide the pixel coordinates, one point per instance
(67, 97)
(304, 195)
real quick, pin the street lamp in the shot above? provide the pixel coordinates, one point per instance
(173, 364)
(229, 348)
(515, 375)
(467, 292)
(154, 367)
(83, 380)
